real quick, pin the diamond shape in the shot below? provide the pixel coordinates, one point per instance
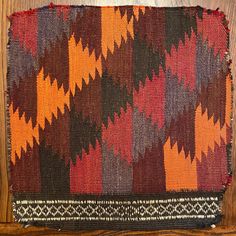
(179, 208)
(79, 210)
(141, 210)
(99, 210)
(151, 210)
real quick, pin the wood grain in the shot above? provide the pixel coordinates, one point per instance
(9, 6)
(15, 229)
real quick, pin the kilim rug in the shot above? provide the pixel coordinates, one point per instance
(119, 117)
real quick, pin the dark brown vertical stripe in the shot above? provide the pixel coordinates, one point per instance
(57, 134)
(114, 98)
(54, 172)
(212, 170)
(182, 132)
(55, 62)
(88, 100)
(151, 28)
(213, 98)
(149, 171)
(145, 61)
(178, 23)
(119, 64)
(24, 97)
(84, 133)
(25, 174)
(87, 28)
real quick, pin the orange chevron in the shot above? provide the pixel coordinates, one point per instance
(181, 172)
(228, 109)
(137, 9)
(206, 132)
(50, 98)
(22, 133)
(82, 65)
(114, 27)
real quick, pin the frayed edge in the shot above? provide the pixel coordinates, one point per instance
(228, 181)
(222, 16)
(8, 127)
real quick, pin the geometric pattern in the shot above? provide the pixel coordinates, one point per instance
(96, 210)
(128, 101)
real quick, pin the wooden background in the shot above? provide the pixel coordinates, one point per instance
(9, 6)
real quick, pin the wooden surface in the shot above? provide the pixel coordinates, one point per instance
(15, 229)
(9, 6)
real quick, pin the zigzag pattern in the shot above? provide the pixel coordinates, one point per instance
(23, 132)
(119, 100)
(137, 10)
(181, 172)
(174, 61)
(50, 99)
(120, 29)
(83, 65)
(207, 133)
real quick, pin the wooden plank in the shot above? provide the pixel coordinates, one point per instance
(15, 229)
(9, 6)
(5, 212)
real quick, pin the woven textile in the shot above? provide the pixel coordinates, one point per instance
(119, 117)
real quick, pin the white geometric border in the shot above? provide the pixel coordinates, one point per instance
(113, 210)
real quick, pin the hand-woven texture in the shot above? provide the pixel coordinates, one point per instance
(119, 117)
